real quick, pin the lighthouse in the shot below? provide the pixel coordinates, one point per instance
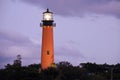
(47, 48)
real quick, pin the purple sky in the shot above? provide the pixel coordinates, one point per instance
(87, 30)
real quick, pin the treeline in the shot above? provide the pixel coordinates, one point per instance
(62, 71)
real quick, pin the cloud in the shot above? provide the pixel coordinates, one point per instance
(69, 52)
(13, 43)
(79, 7)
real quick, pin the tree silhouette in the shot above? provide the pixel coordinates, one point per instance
(63, 71)
(18, 61)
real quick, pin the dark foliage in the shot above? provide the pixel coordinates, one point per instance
(63, 71)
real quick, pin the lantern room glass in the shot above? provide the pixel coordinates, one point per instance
(47, 16)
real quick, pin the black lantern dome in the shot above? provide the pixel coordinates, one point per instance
(47, 19)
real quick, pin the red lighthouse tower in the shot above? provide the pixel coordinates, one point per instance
(47, 51)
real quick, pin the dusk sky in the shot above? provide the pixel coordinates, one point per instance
(86, 30)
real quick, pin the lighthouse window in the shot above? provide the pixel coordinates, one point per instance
(48, 52)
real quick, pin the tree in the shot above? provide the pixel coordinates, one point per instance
(63, 71)
(18, 61)
(50, 74)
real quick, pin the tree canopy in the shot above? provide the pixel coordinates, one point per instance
(63, 71)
